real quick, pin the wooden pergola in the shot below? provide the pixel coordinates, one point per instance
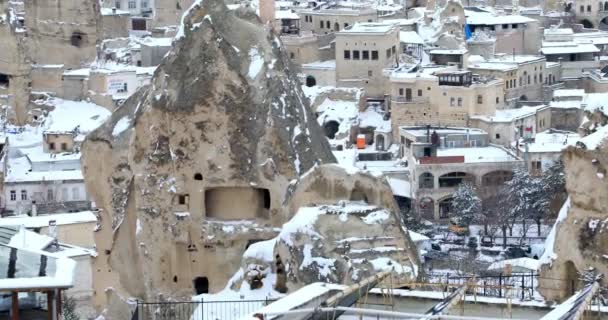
(53, 300)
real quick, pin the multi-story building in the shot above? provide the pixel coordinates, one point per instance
(575, 56)
(523, 76)
(324, 21)
(363, 51)
(441, 96)
(441, 158)
(514, 34)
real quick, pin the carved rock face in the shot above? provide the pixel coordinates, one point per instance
(218, 136)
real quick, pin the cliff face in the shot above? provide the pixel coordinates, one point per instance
(218, 136)
(579, 239)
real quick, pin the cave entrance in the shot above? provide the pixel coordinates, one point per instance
(311, 81)
(331, 128)
(572, 278)
(201, 285)
(234, 203)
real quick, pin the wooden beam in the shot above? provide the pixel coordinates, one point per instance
(59, 308)
(49, 304)
(15, 306)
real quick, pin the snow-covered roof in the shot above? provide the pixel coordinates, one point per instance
(551, 141)
(286, 14)
(526, 263)
(495, 66)
(509, 115)
(370, 27)
(59, 270)
(114, 12)
(43, 220)
(562, 93)
(567, 48)
(559, 31)
(19, 170)
(402, 22)
(68, 115)
(400, 187)
(156, 42)
(320, 65)
(487, 18)
(449, 51)
(410, 37)
(479, 154)
(518, 58)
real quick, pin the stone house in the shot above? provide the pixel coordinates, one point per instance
(524, 76)
(363, 52)
(324, 21)
(514, 34)
(441, 158)
(441, 96)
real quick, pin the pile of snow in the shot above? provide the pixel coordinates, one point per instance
(373, 118)
(525, 263)
(549, 254)
(596, 139)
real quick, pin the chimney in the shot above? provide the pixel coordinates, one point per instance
(267, 11)
(53, 232)
(114, 10)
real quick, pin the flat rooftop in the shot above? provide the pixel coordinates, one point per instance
(481, 17)
(509, 115)
(479, 154)
(422, 131)
(370, 27)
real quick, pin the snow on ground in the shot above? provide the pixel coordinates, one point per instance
(526, 263)
(340, 111)
(478, 154)
(263, 250)
(372, 117)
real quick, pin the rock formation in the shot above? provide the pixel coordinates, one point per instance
(579, 240)
(344, 227)
(218, 136)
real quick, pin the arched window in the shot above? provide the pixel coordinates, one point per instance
(77, 39)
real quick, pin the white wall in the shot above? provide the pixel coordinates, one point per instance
(38, 191)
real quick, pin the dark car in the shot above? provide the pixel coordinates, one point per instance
(514, 253)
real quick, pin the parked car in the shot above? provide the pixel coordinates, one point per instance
(514, 253)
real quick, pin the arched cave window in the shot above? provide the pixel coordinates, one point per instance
(198, 176)
(201, 285)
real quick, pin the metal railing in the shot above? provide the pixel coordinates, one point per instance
(197, 310)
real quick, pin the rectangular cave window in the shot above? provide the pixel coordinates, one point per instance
(4, 80)
(235, 203)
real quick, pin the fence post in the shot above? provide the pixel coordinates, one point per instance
(523, 277)
(500, 285)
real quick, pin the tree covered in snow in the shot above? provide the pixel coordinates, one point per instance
(466, 203)
(526, 197)
(554, 179)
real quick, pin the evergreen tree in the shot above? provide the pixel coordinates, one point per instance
(554, 179)
(69, 308)
(466, 203)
